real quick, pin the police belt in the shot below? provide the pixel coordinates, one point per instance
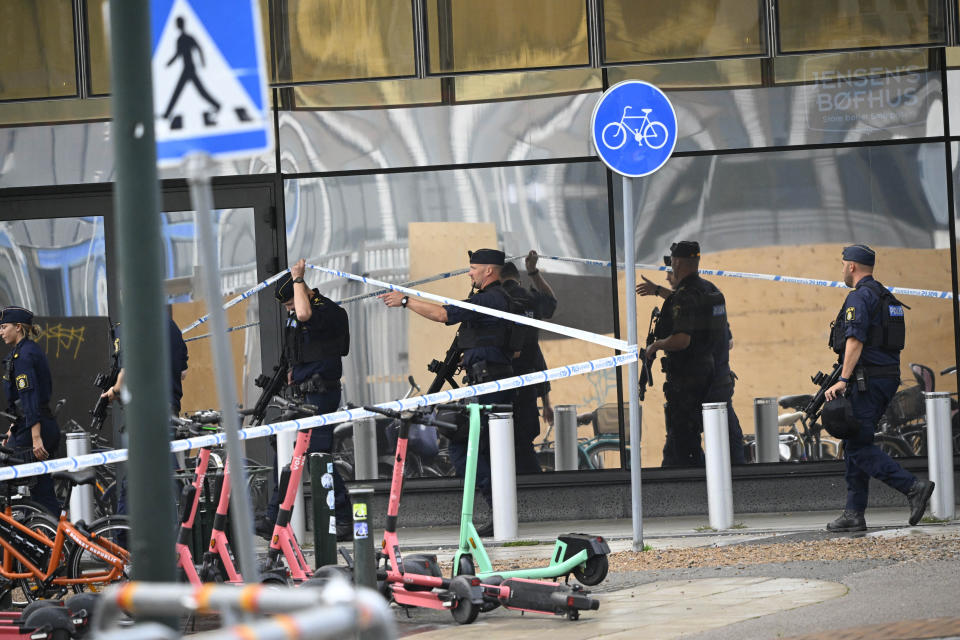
(879, 371)
(673, 366)
(315, 384)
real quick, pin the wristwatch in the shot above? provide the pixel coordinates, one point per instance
(296, 280)
(404, 300)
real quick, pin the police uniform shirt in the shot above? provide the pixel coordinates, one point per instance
(861, 311)
(178, 358)
(319, 327)
(29, 381)
(486, 297)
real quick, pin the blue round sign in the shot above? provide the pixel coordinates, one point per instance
(634, 128)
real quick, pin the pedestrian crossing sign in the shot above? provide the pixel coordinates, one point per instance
(209, 79)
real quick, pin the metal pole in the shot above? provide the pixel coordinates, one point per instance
(940, 454)
(198, 175)
(139, 253)
(767, 429)
(322, 498)
(633, 377)
(719, 484)
(503, 472)
(81, 498)
(365, 449)
(286, 441)
(364, 559)
(565, 450)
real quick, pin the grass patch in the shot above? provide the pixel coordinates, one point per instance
(521, 543)
(738, 525)
(703, 528)
(932, 520)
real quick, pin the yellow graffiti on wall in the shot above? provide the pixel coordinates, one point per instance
(54, 337)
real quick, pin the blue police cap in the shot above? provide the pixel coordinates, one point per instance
(860, 253)
(284, 288)
(683, 249)
(10, 315)
(486, 256)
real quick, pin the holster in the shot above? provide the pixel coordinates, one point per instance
(484, 371)
(315, 384)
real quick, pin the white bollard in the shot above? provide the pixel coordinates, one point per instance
(565, 449)
(81, 499)
(285, 444)
(365, 449)
(719, 483)
(940, 454)
(767, 429)
(503, 471)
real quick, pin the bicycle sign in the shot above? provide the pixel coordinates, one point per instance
(634, 128)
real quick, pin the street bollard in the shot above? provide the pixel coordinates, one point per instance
(364, 559)
(324, 520)
(767, 428)
(81, 499)
(365, 449)
(719, 484)
(940, 454)
(503, 471)
(565, 449)
(285, 443)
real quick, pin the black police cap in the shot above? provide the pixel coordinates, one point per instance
(860, 253)
(486, 256)
(683, 249)
(12, 315)
(284, 288)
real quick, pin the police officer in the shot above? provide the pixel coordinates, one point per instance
(487, 344)
(538, 302)
(316, 337)
(28, 385)
(722, 385)
(868, 335)
(686, 331)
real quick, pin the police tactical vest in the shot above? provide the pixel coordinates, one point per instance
(333, 342)
(889, 335)
(502, 334)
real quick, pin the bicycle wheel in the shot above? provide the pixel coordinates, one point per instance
(655, 135)
(29, 589)
(605, 455)
(893, 446)
(111, 533)
(23, 509)
(619, 132)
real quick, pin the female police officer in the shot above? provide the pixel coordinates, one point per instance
(27, 383)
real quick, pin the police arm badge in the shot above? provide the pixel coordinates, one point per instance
(850, 314)
(22, 382)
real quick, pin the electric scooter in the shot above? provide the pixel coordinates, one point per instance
(580, 554)
(417, 580)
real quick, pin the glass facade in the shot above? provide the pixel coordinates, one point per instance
(38, 49)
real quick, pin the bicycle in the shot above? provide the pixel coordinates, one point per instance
(46, 558)
(601, 451)
(653, 132)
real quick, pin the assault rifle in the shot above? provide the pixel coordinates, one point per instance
(272, 386)
(446, 370)
(105, 381)
(813, 408)
(646, 368)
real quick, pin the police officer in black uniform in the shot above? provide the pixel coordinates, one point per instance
(691, 321)
(868, 335)
(488, 345)
(537, 302)
(316, 337)
(28, 385)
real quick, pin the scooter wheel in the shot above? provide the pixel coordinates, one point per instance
(56, 619)
(593, 571)
(465, 566)
(464, 611)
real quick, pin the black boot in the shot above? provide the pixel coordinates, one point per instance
(918, 496)
(848, 521)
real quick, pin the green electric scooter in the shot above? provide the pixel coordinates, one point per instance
(583, 555)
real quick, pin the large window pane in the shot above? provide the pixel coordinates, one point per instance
(38, 55)
(46, 111)
(98, 53)
(506, 34)
(790, 213)
(502, 86)
(692, 75)
(681, 29)
(343, 39)
(383, 93)
(812, 25)
(859, 68)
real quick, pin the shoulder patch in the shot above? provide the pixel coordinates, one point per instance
(850, 314)
(22, 381)
(315, 301)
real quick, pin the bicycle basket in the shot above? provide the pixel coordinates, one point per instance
(607, 422)
(907, 405)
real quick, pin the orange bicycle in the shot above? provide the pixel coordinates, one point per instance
(48, 558)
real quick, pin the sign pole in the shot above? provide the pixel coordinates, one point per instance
(198, 172)
(630, 277)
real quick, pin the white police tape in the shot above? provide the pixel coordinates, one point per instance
(113, 456)
(580, 334)
(240, 298)
(239, 327)
(926, 293)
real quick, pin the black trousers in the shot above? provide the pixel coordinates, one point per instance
(684, 419)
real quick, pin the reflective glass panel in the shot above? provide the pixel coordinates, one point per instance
(38, 55)
(853, 66)
(692, 75)
(343, 39)
(98, 53)
(383, 93)
(789, 213)
(812, 25)
(501, 86)
(407, 226)
(681, 29)
(506, 34)
(45, 111)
